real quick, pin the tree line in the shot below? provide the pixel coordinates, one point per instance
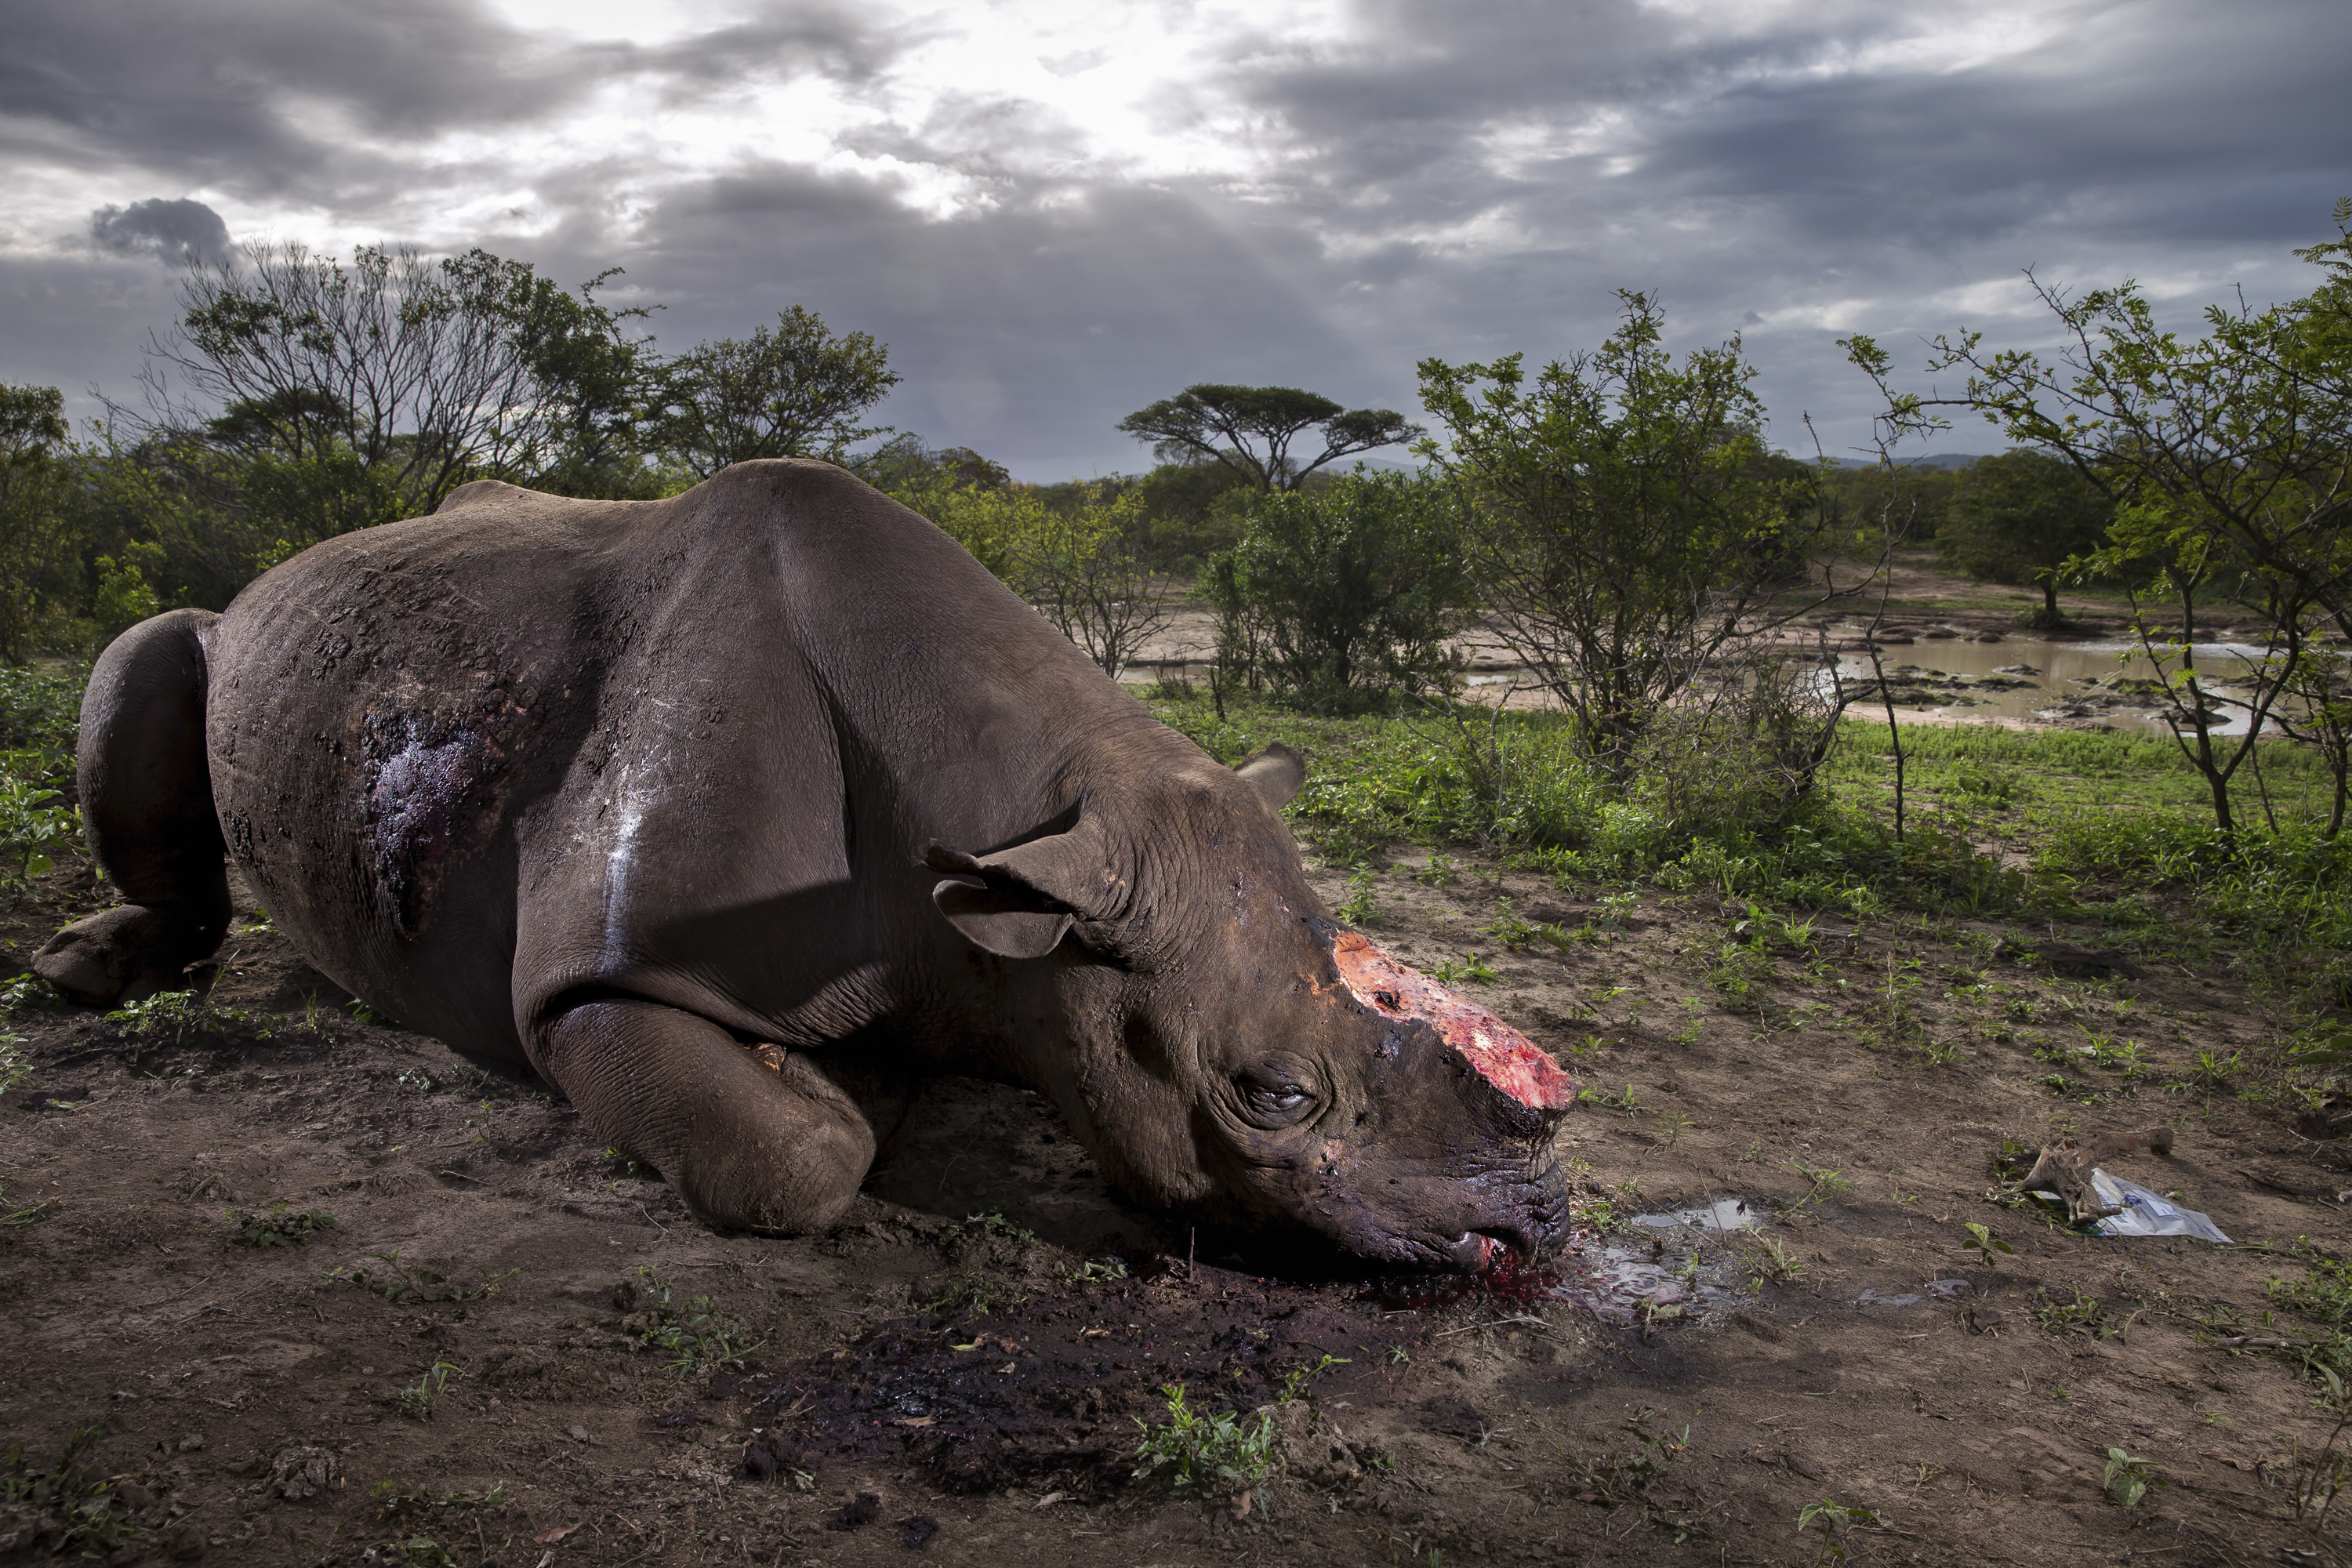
(1615, 518)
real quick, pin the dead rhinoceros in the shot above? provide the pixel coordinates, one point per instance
(719, 810)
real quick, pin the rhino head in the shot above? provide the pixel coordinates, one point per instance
(1222, 1044)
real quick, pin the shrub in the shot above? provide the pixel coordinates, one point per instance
(1356, 588)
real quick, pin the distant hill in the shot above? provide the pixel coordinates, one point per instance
(1933, 460)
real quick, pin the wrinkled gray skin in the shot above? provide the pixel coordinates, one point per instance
(732, 814)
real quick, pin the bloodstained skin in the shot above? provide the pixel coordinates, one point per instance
(1503, 1057)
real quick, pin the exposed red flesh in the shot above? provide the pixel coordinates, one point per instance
(1503, 1057)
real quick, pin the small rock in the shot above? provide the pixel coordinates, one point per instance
(915, 1529)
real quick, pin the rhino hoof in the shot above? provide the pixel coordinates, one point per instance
(130, 953)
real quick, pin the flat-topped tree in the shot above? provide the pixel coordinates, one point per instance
(1249, 429)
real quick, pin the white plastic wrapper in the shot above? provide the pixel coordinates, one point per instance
(2144, 1212)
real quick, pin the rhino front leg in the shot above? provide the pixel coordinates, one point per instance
(752, 1139)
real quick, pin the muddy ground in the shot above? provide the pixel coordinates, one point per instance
(929, 1384)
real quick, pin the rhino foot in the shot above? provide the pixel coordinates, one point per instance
(126, 954)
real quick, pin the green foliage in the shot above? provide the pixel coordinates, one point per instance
(34, 534)
(1209, 1452)
(1473, 969)
(2222, 458)
(383, 1274)
(2129, 1479)
(1355, 587)
(173, 1017)
(694, 1334)
(972, 1295)
(1835, 1519)
(1989, 1249)
(71, 1503)
(33, 829)
(40, 716)
(1084, 559)
(280, 1228)
(420, 1398)
(1629, 519)
(350, 395)
(1362, 900)
(1294, 1385)
(2020, 518)
(796, 390)
(1824, 1183)
(1095, 1271)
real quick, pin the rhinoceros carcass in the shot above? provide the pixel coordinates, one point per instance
(729, 811)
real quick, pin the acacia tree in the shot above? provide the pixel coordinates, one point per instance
(795, 392)
(1630, 522)
(1249, 430)
(2228, 460)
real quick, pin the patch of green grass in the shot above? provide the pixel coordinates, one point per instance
(383, 1274)
(1294, 1386)
(1187, 1449)
(419, 1398)
(694, 1334)
(278, 1228)
(2085, 1316)
(971, 1294)
(1473, 969)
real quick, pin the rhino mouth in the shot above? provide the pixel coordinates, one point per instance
(1480, 1252)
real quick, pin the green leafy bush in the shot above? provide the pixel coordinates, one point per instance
(1351, 589)
(1190, 1449)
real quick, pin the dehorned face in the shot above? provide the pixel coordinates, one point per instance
(1233, 1046)
(1377, 1108)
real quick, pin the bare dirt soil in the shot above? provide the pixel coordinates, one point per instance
(478, 1362)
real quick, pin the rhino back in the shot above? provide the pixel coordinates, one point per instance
(686, 749)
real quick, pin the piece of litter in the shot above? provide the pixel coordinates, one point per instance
(1947, 1289)
(1872, 1299)
(2140, 1212)
(1723, 1214)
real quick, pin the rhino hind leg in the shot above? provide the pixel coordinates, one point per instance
(147, 802)
(756, 1140)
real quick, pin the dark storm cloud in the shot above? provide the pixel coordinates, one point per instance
(1025, 332)
(251, 95)
(176, 231)
(1461, 180)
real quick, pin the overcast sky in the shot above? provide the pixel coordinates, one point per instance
(1055, 213)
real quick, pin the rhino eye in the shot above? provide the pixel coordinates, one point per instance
(1277, 1104)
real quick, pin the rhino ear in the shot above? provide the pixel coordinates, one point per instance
(1020, 902)
(1276, 774)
